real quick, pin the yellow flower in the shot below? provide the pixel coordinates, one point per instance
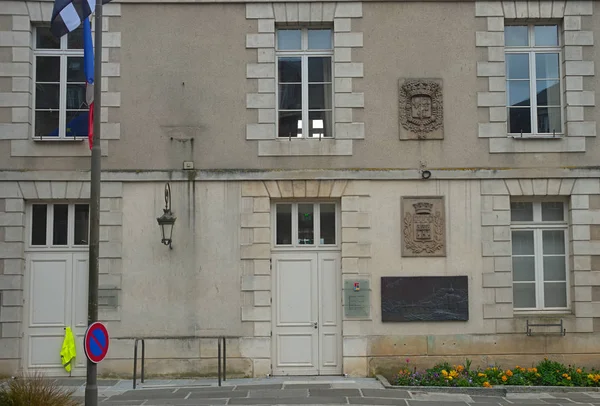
(578, 370)
(450, 378)
(504, 378)
(460, 368)
(444, 372)
(482, 374)
(565, 375)
(509, 373)
(590, 376)
(453, 374)
(535, 370)
(568, 378)
(486, 384)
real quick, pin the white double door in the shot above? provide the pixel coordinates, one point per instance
(55, 298)
(307, 313)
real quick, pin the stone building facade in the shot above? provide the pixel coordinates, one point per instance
(436, 196)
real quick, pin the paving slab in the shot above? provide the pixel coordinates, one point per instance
(186, 402)
(435, 403)
(383, 393)
(216, 394)
(376, 401)
(150, 394)
(258, 386)
(287, 393)
(339, 400)
(307, 386)
(333, 392)
(489, 399)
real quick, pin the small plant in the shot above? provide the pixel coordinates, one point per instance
(545, 373)
(34, 390)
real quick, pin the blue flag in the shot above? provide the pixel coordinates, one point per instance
(88, 68)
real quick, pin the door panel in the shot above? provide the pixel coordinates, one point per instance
(295, 304)
(306, 313)
(330, 306)
(55, 298)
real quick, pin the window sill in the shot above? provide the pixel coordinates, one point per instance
(59, 139)
(536, 136)
(541, 313)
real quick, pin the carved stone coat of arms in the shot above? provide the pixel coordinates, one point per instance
(423, 227)
(421, 110)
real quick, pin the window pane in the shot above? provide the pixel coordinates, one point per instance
(47, 96)
(554, 268)
(38, 224)
(522, 242)
(546, 35)
(549, 120)
(75, 38)
(46, 123)
(47, 69)
(548, 93)
(77, 124)
(553, 241)
(319, 69)
(546, 66)
(76, 97)
(75, 72)
(319, 39)
(290, 70)
(82, 212)
(320, 124)
(552, 211)
(284, 224)
(327, 223)
(518, 93)
(290, 97)
(517, 66)
(555, 294)
(289, 39)
(519, 120)
(523, 268)
(45, 40)
(319, 97)
(61, 225)
(306, 226)
(521, 211)
(524, 295)
(516, 35)
(290, 124)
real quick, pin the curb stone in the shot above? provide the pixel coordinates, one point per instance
(497, 390)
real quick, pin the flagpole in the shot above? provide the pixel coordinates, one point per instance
(91, 387)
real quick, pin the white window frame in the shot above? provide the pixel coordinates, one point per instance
(49, 246)
(304, 54)
(531, 50)
(316, 224)
(537, 226)
(64, 52)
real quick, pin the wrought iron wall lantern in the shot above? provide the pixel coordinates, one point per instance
(167, 220)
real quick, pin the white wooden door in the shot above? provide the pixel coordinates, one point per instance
(306, 314)
(55, 298)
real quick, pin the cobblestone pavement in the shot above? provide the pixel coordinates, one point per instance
(307, 391)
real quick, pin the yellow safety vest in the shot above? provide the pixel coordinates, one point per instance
(68, 352)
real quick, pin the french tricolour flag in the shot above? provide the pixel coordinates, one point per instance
(67, 15)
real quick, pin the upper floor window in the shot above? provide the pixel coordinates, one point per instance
(533, 88)
(539, 255)
(304, 79)
(60, 104)
(306, 224)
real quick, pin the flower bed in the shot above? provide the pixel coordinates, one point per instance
(545, 373)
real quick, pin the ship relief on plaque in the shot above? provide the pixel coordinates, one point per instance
(421, 111)
(423, 227)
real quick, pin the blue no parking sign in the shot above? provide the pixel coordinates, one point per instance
(95, 342)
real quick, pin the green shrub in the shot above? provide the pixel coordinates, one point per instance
(34, 390)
